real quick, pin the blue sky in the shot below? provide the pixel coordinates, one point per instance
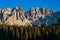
(27, 4)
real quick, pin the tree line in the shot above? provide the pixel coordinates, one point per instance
(11, 32)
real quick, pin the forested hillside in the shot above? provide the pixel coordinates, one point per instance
(8, 32)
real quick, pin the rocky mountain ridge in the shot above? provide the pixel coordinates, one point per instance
(34, 16)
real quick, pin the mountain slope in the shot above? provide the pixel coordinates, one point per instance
(34, 16)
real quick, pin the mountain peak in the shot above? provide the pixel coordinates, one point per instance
(36, 16)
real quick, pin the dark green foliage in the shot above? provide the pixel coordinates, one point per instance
(8, 32)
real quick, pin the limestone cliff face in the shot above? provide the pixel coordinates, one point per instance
(33, 14)
(13, 17)
(17, 16)
(45, 12)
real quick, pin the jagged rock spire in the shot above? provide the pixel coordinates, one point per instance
(17, 16)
